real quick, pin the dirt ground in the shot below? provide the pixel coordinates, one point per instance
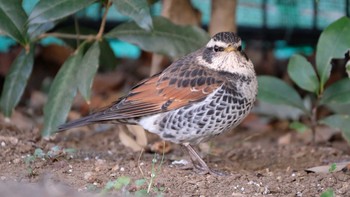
(81, 163)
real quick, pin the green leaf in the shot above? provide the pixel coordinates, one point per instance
(39, 153)
(303, 74)
(138, 10)
(339, 108)
(48, 10)
(328, 193)
(141, 193)
(165, 37)
(13, 18)
(333, 43)
(71, 29)
(107, 58)
(274, 90)
(109, 186)
(87, 70)
(298, 126)
(61, 94)
(140, 182)
(338, 121)
(122, 182)
(332, 167)
(16, 81)
(337, 93)
(35, 30)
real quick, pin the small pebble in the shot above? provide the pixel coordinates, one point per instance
(113, 175)
(16, 161)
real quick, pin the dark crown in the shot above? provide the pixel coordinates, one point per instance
(227, 37)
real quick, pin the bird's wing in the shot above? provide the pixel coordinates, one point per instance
(177, 86)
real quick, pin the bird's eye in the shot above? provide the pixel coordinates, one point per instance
(239, 48)
(217, 48)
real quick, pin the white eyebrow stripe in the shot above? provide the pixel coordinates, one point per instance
(212, 43)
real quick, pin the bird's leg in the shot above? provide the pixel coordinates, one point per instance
(198, 163)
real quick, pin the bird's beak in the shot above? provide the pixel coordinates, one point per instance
(229, 49)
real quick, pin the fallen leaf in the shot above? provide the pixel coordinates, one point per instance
(161, 147)
(285, 139)
(325, 169)
(139, 133)
(128, 141)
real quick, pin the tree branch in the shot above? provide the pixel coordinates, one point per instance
(103, 22)
(91, 37)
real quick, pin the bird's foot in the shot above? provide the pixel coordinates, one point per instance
(183, 164)
(199, 164)
(202, 170)
(206, 170)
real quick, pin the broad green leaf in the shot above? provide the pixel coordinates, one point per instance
(337, 93)
(333, 43)
(48, 10)
(13, 19)
(138, 10)
(87, 70)
(35, 30)
(303, 74)
(107, 59)
(339, 108)
(71, 29)
(61, 94)
(16, 81)
(338, 121)
(165, 37)
(274, 90)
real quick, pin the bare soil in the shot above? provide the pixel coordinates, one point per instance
(256, 164)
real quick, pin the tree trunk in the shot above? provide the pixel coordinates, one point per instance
(223, 16)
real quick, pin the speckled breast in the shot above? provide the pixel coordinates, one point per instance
(222, 110)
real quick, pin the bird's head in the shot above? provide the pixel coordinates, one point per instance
(224, 53)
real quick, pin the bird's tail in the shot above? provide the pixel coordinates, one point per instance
(76, 123)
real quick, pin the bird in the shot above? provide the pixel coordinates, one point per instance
(201, 95)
